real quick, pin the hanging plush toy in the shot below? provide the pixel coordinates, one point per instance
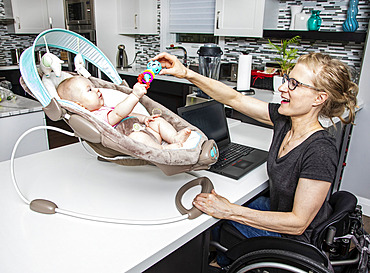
(50, 62)
(79, 62)
(80, 66)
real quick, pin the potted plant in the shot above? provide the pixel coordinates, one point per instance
(286, 58)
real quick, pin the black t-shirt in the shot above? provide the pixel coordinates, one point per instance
(315, 158)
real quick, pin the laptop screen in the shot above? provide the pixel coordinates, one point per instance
(210, 118)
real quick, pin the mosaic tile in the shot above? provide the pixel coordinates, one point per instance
(333, 14)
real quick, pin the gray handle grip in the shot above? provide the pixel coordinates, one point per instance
(207, 187)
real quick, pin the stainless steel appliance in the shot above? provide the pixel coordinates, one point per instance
(80, 18)
(209, 63)
(122, 61)
(79, 12)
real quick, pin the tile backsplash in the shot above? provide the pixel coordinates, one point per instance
(333, 14)
(11, 41)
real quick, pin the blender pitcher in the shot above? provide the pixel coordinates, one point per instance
(209, 63)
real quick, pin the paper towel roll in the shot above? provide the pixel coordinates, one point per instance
(243, 82)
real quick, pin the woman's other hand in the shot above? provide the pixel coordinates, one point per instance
(213, 204)
(170, 65)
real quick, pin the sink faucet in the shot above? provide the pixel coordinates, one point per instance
(185, 61)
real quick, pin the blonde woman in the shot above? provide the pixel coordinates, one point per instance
(302, 158)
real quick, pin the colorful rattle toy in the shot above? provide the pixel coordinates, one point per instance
(148, 75)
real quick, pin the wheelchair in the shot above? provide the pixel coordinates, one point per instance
(338, 245)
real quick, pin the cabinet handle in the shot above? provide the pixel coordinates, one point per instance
(135, 25)
(18, 22)
(218, 20)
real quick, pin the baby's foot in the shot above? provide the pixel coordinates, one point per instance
(182, 135)
(172, 146)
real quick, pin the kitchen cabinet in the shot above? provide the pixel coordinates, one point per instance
(242, 18)
(137, 17)
(34, 16)
(15, 118)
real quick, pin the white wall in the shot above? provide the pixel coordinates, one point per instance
(356, 176)
(108, 39)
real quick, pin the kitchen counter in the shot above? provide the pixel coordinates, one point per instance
(137, 70)
(18, 106)
(9, 67)
(34, 243)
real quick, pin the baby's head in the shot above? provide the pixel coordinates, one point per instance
(81, 90)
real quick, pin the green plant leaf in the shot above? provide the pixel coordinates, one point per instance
(286, 56)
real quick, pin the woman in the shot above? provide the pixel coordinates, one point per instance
(302, 157)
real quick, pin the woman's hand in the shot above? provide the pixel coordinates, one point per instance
(213, 204)
(171, 65)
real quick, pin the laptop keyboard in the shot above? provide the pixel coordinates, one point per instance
(228, 155)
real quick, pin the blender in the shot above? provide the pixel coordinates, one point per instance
(209, 63)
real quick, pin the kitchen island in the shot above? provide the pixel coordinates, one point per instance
(16, 116)
(76, 181)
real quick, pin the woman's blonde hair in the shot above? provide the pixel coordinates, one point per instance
(333, 77)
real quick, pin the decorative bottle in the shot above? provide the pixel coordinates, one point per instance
(294, 9)
(351, 24)
(314, 22)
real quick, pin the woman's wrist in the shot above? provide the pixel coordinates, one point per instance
(186, 73)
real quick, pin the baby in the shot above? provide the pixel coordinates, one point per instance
(150, 130)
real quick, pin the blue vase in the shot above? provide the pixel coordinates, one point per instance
(314, 22)
(351, 24)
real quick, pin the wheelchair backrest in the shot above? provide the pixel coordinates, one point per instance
(343, 204)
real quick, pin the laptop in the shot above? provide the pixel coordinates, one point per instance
(235, 159)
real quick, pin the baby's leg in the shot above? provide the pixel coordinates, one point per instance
(168, 132)
(148, 140)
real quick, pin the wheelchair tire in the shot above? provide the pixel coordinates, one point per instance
(275, 260)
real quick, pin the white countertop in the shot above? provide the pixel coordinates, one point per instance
(33, 242)
(18, 106)
(9, 67)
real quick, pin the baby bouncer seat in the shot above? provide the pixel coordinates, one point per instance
(198, 152)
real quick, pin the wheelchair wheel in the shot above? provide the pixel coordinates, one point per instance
(276, 261)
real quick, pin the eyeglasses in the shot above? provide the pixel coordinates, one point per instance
(293, 83)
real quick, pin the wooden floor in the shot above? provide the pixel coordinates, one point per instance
(57, 139)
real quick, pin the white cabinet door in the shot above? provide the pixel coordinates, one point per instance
(137, 17)
(12, 127)
(31, 16)
(241, 18)
(56, 13)
(35, 16)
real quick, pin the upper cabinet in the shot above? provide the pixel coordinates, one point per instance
(56, 13)
(242, 18)
(34, 16)
(137, 17)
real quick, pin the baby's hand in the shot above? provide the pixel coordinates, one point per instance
(139, 90)
(150, 119)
